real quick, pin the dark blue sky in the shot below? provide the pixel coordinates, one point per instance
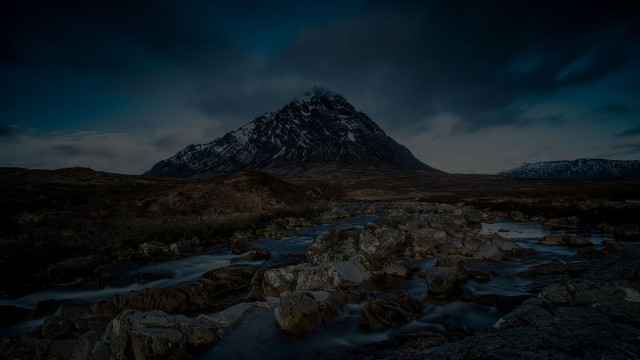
(468, 86)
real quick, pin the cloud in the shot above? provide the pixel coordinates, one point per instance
(441, 70)
(103, 151)
(474, 60)
(624, 148)
(631, 132)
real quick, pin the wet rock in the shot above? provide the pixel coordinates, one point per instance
(536, 329)
(336, 212)
(627, 231)
(155, 343)
(158, 335)
(565, 240)
(399, 347)
(237, 276)
(204, 295)
(404, 267)
(454, 261)
(517, 216)
(557, 267)
(622, 269)
(257, 255)
(473, 217)
(454, 231)
(334, 246)
(590, 293)
(606, 227)
(438, 221)
(155, 250)
(443, 281)
(334, 275)
(55, 328)
(381, 243)
(381, 314)
(489, 251)
(180, 249)
(303, 312)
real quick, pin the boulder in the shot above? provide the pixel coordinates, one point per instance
(443, 281)
(203, 295)
(404, 267)
(537, 329)
(627, 231)
(155, 250)
(621, 269)
(566, 240)
(573, 269)
(381, 243)
(453, 261)
(257, 255)
(158, 335)
(334, 275)
(438, 221)
(489, 251)
(303, 312)
(381, 314)
(517, 216)
(473, 217)
(591, 293)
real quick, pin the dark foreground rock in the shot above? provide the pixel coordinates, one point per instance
(537, 329)
(303, 312)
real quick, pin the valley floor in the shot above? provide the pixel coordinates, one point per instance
(106, 266)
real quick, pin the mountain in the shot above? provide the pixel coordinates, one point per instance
(318, 129)
(580, 169)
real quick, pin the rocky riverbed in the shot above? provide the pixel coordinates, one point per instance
(370, 280)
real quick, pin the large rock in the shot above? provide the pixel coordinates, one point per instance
(204, 295)
(443, 281)
(598, 294)
(566, 240)
(403, 267)
(627, 231)
(454, 261)
(303, 312)
(573, 269)
(622, 269)
(473, 217)
(536, 330)
(335, 245)
(381, 243)
(334, 275)
(158, 335)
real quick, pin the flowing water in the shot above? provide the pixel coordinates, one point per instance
(258, 336)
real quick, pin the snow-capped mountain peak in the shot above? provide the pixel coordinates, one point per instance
(319, 127)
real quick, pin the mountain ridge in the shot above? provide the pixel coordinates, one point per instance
(578, 169)
(321, 127)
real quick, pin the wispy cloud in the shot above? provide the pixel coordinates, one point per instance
(105, 151)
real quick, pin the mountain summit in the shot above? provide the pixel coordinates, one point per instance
(318, 128)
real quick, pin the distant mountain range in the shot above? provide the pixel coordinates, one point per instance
(580, 169)
(318, 129)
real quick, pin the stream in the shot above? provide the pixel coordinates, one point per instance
(259, 336)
